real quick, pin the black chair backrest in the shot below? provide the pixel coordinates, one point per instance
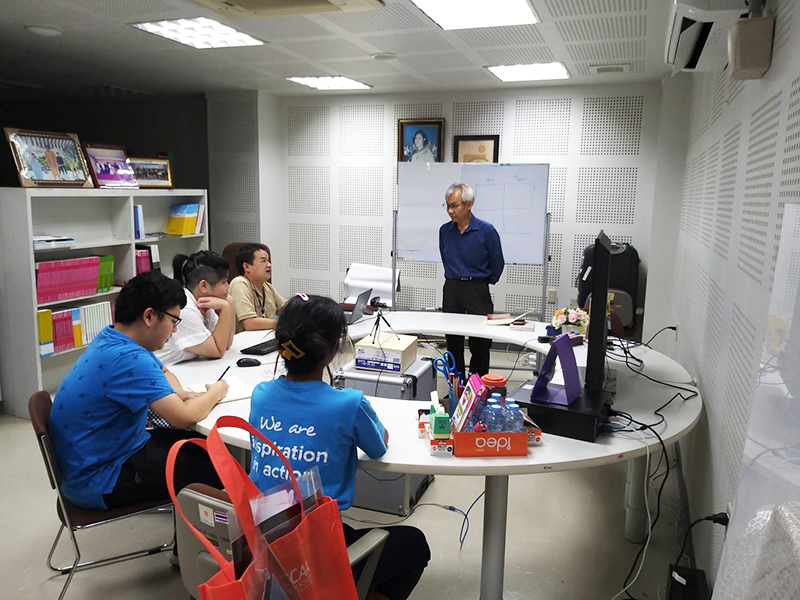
(39, 407)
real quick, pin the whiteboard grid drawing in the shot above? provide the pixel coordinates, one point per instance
(513, 198)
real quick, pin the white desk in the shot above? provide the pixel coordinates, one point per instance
(407, 454)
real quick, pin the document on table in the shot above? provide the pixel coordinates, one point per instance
(237, 389)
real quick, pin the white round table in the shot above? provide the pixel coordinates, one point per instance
(406, 453)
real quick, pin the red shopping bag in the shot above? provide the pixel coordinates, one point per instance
(309, 563)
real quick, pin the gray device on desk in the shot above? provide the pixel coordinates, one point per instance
(360, 306)
(394, 493)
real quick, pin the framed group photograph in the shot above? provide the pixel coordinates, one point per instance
(45, 159)
(420, 140)
(109, 166)
(152, 172)
(476, 148)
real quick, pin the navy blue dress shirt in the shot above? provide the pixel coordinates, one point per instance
(475, 253)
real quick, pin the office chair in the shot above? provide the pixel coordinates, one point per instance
(197, 565)
(229, 254)
(74, 518)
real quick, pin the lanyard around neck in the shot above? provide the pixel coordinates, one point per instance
(261, 301)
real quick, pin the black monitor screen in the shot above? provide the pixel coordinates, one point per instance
(598, 329)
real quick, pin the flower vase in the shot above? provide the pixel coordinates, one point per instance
(567, 328)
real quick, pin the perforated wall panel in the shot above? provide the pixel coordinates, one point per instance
(612, 125)
(361, 191)
(785, 19)
(761, 153)
(621, 51)
(478, 118)
(522, 302)
(234, 186)
(606, 195)
(232, 126)
(517, 35)
(417, 297)
(314, 251)
(309, 131)
(546, 123)
(609, 28)
(531, 275)
(362, 244)
(709, 196)
(361, 130)
(420, 270)
(309, 190)
(727, 188)
(318, 287)
(225, 232)
(556, 193)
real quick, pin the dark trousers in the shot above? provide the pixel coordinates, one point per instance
(404, 558)
(468, 297)
(143, 476)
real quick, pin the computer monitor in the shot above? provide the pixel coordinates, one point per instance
(598, 328)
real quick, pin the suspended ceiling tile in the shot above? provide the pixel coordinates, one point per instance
(401, 43)
(390, 18)
(249, 55)
(516, 56)
(281, 28)
(361, 67)
(462, 75)
(124, 9)
(611, 28)
(582, 68)
(291, 69)
(433, 62)
(395, 79)
(325, 49)
(519, 35)
(586, 8)
(607, 50)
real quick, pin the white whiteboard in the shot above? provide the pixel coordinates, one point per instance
(513, 198)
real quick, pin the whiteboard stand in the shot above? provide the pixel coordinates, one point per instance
(545, 264)
(394, 259)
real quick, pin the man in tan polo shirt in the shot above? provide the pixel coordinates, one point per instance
(256, 300)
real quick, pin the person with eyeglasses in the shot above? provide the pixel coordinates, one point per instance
(97, 423)
(473, 260)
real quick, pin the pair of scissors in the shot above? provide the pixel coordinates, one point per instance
(447, 367)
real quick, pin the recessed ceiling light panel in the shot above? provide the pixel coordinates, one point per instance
(330, 83)
(473, 14)
(43, 30)
(534, 72)
(199, 33)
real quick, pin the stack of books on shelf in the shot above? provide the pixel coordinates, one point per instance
(73, 278)
(68, 328)
(50, 242)
(138, 221)
(147, 259)
(185, 219)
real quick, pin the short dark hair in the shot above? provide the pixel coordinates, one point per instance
(245, 255)
(191, 270)
(316, 327)
(148, 290)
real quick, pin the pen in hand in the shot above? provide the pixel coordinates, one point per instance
(223, 373)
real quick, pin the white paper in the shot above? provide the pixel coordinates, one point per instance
(361, 277)
(237, 390)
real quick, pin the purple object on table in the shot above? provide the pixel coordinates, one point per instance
(556, 394)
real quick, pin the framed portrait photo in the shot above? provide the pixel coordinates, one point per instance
(476, 148)
(45, 159)
(109, 166)
(152, 172)
(420, 140)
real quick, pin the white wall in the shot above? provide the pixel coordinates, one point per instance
(742, 166)
(341, 154)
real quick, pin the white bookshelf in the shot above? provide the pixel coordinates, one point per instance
(101, 222)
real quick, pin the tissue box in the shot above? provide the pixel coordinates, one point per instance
(388, 353)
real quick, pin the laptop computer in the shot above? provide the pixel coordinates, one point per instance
(358, 309)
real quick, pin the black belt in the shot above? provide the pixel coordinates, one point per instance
(477, 279)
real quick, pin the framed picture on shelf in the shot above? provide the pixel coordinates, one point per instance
(152, 172)
(109, 166)
(476, 148)
(420, 140)
(45, 159)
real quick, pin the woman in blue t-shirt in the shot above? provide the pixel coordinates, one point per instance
(314, 424)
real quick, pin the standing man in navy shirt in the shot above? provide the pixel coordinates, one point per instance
(473, 259)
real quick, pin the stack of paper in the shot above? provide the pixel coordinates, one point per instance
(237, 389)
(362, 277)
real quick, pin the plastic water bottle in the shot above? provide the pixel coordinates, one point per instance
(515, 420)
(497, 396)
(495, 422)
(485, 414)
(510, 404)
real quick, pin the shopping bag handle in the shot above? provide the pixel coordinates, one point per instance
(171, 457)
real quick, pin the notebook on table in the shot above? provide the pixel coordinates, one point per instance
(237, 389)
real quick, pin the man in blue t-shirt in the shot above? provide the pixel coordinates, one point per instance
(106, 457)
(473, 260)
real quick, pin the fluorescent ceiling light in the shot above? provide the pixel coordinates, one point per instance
(535, 72)
(330, 83)
(472, 14)
(199, 33)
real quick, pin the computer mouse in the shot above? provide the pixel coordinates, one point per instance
(248, 362)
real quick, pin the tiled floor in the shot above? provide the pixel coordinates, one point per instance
(564, 541)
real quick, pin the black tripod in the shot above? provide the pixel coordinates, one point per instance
(376, 328)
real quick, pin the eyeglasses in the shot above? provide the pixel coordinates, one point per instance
(452, 206)
(175, 320)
